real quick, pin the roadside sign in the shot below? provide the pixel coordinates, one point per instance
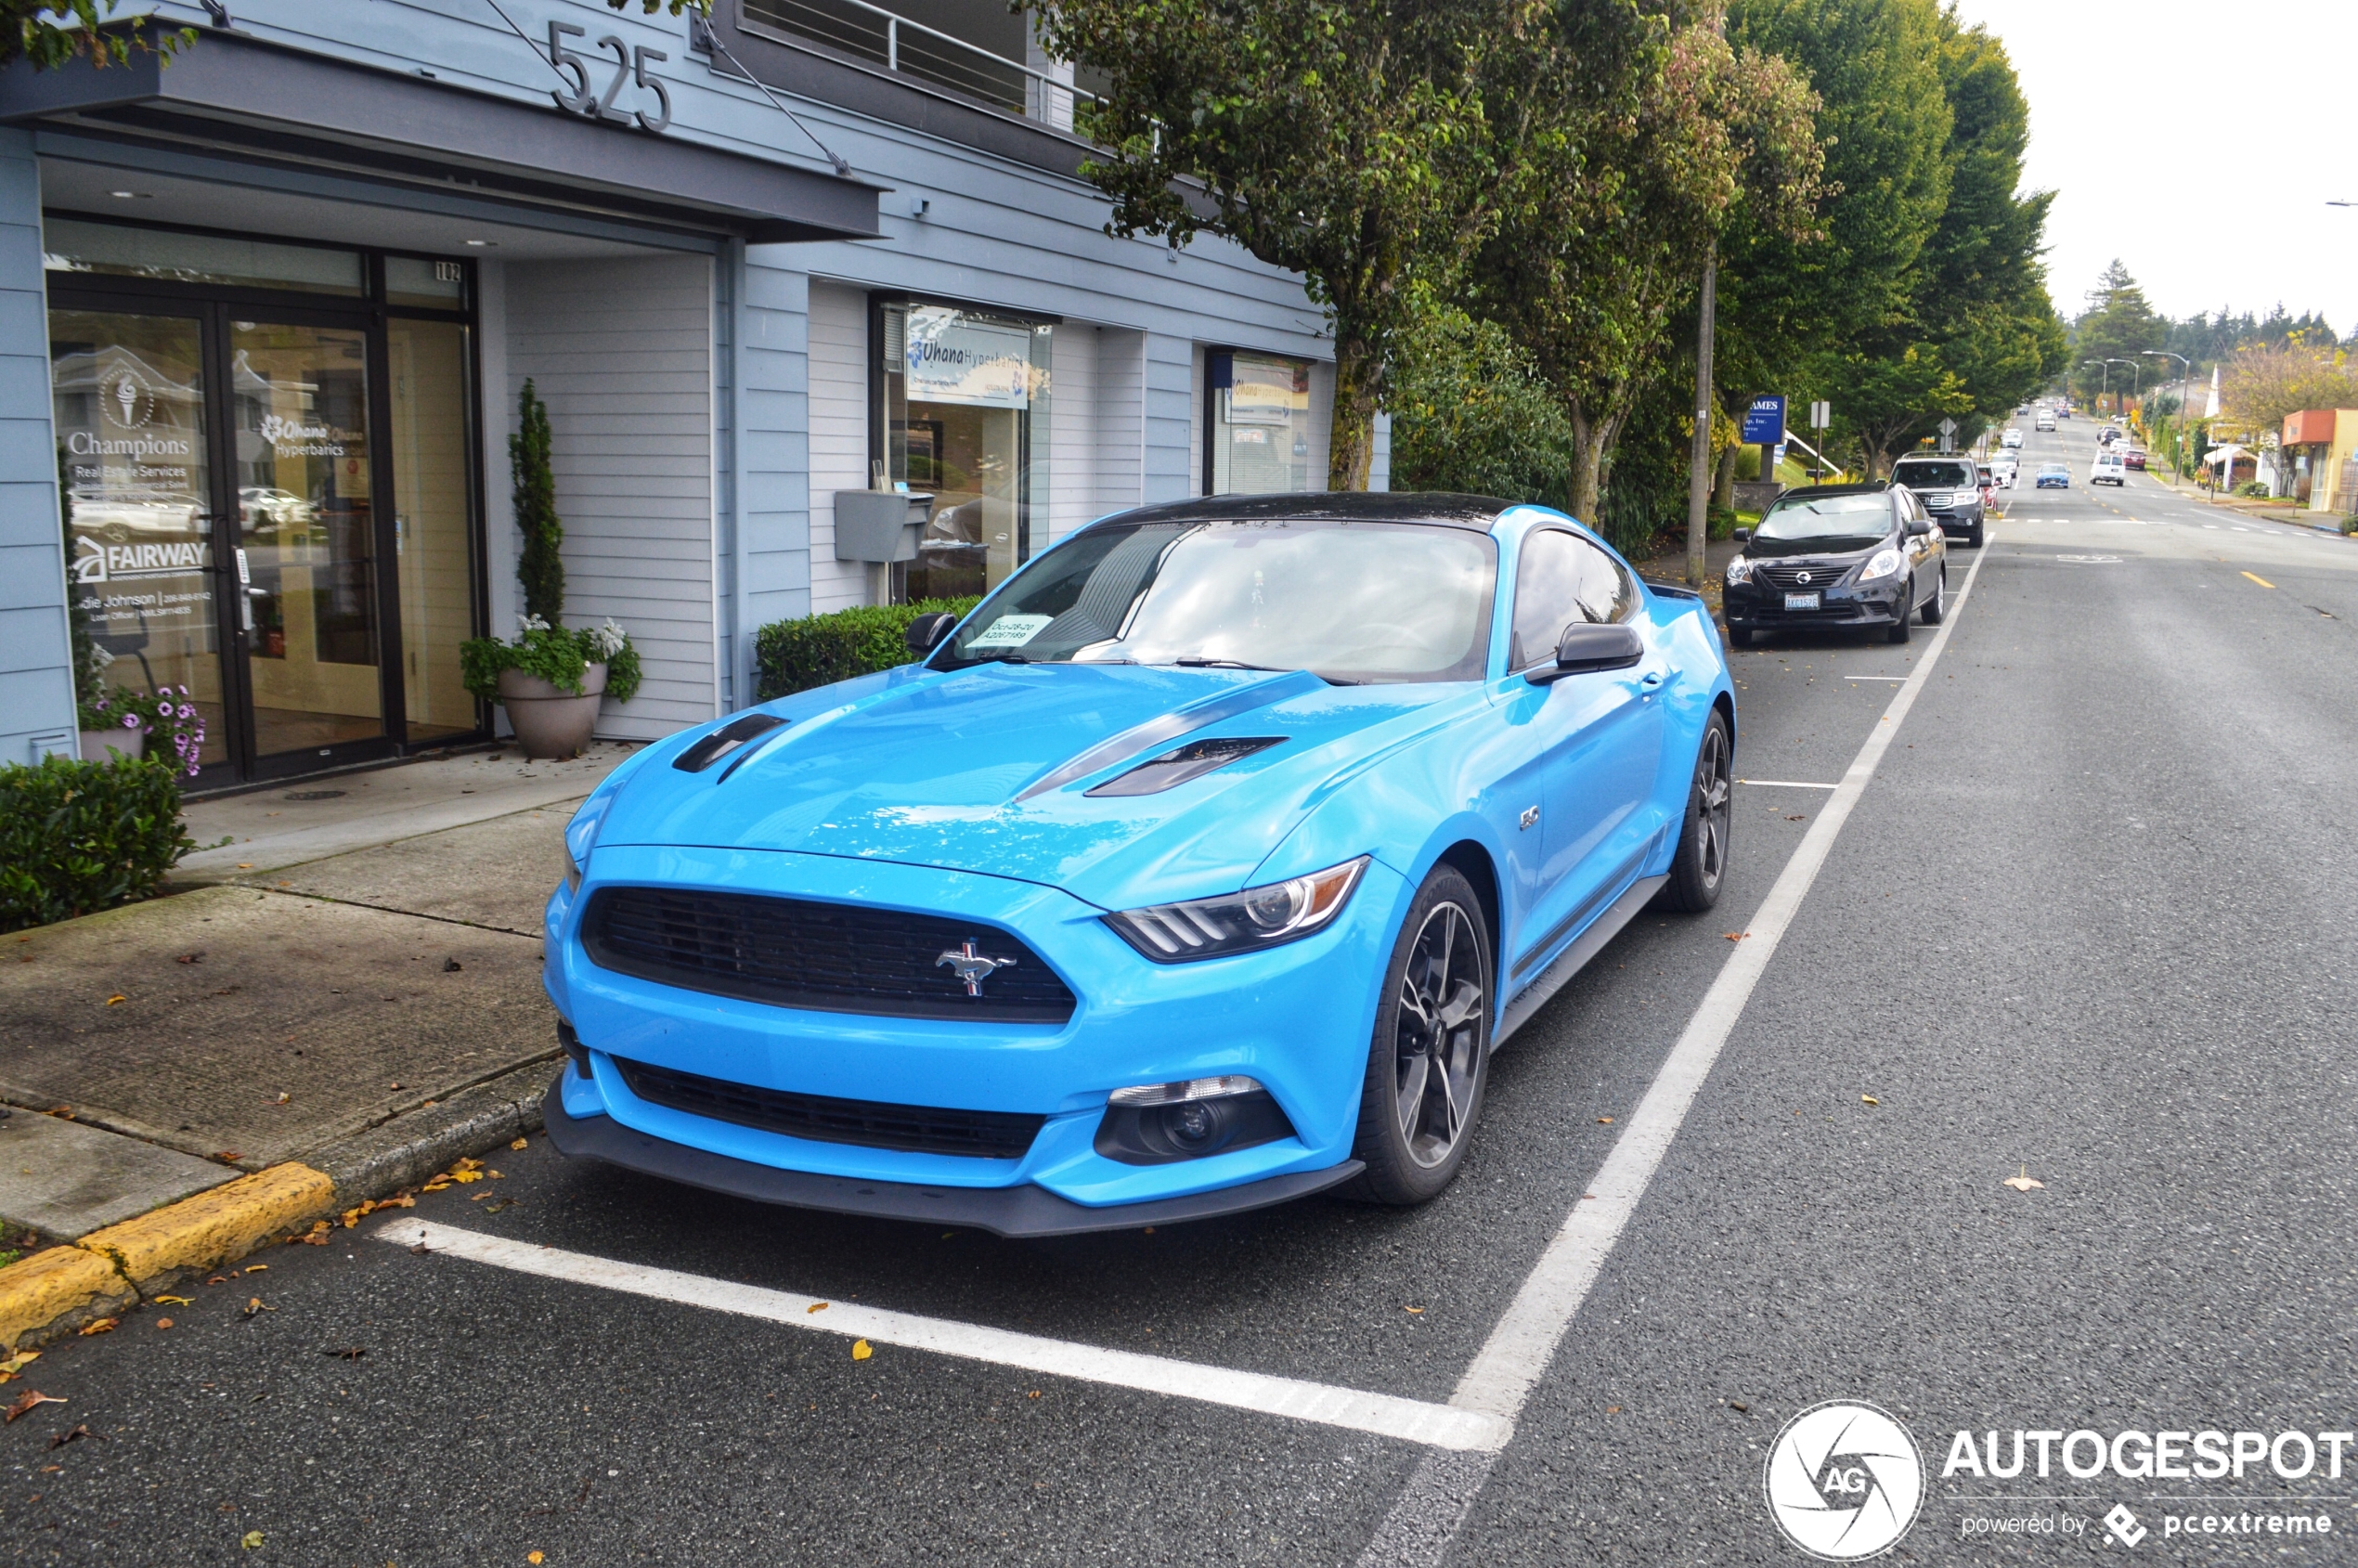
(1948, 436)
(1765, 422)
(1822, 415)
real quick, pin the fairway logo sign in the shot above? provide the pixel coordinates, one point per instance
(1844, 1480)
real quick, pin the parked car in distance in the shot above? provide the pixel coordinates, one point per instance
(1838, 555)
(2046, 421)
(2011, 438)
(2053, 475)
(2063, 413)
(2108, 469)
(1951, 490)
(2135, 457)
(2107, 435)
(2003, 469)
(1198, 869)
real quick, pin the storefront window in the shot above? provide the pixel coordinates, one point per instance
(433, 534)
(965, 405)
(1258, 424)
(129, 396)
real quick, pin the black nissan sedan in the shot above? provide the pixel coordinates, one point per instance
(1838, 555)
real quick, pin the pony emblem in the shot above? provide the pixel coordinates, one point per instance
(971, 967)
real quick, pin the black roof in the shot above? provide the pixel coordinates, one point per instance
(1359, 506)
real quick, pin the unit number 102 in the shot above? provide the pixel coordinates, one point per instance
(629, 65)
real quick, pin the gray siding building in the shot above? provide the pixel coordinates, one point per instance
(265, 315)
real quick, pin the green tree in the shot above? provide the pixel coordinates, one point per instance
(51, 33)
(2118, 324)
(540, 566)
(1362, 143)
(1471, 412)
(1591, 275)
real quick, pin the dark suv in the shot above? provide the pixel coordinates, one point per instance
(1951, 489)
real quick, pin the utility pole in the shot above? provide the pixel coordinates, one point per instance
(2185, 396)
(1699, 470)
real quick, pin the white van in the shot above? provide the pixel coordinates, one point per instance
(2108, 469)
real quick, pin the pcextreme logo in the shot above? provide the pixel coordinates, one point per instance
(1844, 1480)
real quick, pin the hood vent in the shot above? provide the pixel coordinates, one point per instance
(732, 736)
(1178, 765)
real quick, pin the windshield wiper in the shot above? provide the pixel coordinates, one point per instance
(1191, 661)
(974, 659)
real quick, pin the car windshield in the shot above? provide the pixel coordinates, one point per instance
(2055, 468)
(1830, 524)
(1354, 602)
(1931, 476)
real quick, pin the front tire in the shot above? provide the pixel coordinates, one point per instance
(1699, 867)
(1429, 1060)
(1906, 618)
(1740, 637)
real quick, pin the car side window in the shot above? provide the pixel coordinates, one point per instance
(1546, 595)
(1607, 593)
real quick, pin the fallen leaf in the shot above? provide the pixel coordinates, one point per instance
(349, 1353)
(816, 1306)
(1613, 1409)
(1869, 1100)
(532, 1557)
(1604, 1121)
(1417, 1309)
(254, 1305)
(462, 1177)
(1735, 936)
(421, 1249)
(495, 1175)
(218, 1279)
(189, 958)
(435, 1186)
(399, 1201)
(861, 1350)
(251, 1539)
(245, 866)
(450, 965)
(172, 1301)
(1033, 1394)
(1738, 1405)
(257, 1269)
(60, 1439)
(282, 1098)
(228, 1156)
(117, 996)
(1797, 819)
(104, 1326)
(2024, 1182)
(163, 1323)
(520, 1143)
(18, 1362)
(25, 1402)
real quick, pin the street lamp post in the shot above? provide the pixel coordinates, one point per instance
(2135, 379)
(2103, 386)
(2185, 396)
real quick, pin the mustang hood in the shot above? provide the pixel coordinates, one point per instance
(986, 770)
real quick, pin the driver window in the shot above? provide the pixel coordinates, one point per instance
(1546, 595)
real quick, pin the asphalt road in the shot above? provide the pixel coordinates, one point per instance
(2087, 923)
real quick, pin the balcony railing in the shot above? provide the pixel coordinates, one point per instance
(871, 33)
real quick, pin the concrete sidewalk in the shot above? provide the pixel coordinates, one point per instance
(354, 985)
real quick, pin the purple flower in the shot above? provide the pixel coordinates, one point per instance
(187, 712)
(130, 720)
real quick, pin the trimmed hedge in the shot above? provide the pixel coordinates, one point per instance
(79, 837)
(795, 655)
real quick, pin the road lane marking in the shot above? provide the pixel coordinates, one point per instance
(1848, 676)
(1785, 783)
(1436, 1426)
(2260, 581)
(1418, 1529)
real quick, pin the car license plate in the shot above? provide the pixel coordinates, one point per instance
(1801, 601)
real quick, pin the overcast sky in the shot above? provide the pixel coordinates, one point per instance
(2175, 132)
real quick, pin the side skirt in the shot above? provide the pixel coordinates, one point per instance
(1606, 927)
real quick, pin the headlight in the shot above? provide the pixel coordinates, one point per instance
(1739, 571)
(1884, 564)
(1258, 918)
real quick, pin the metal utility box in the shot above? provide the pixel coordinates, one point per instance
(879, 524)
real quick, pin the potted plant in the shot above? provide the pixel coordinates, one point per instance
(123, 723)
(549, 679)
(107, 719)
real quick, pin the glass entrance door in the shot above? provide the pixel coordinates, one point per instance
(307, 535)
(146, 577)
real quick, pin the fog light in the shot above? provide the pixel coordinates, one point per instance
(1161, 1123)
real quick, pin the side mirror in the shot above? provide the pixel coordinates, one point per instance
(1587, 647)
(1743, 536)
(1917, 527)
(927, 631)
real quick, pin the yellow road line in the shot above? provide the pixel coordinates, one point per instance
(2260, 581)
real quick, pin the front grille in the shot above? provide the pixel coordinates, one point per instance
(837, 958)
(1788, 578)
(982, 1134)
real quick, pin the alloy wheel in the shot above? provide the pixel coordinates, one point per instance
(1439, 1043)
(1715, 804)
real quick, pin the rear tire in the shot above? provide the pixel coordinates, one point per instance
(1699, 867)
(1937, 605)
(1429, 1060)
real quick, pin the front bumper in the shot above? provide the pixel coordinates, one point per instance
(1003, 1210)
(1759, 608)
(1297, 1018)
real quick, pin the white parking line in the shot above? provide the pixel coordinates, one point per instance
(1418, 1529)
(1847, 675)
(1785, 783)
(1411, 1421)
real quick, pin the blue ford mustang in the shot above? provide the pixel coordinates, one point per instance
(1201, 867)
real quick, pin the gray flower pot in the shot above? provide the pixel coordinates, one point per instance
(105, 746)
(549, 721)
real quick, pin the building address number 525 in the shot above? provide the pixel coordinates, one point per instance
(629, 65)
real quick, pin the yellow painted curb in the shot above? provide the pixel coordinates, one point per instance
(47, 1286)
(215, 1226)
